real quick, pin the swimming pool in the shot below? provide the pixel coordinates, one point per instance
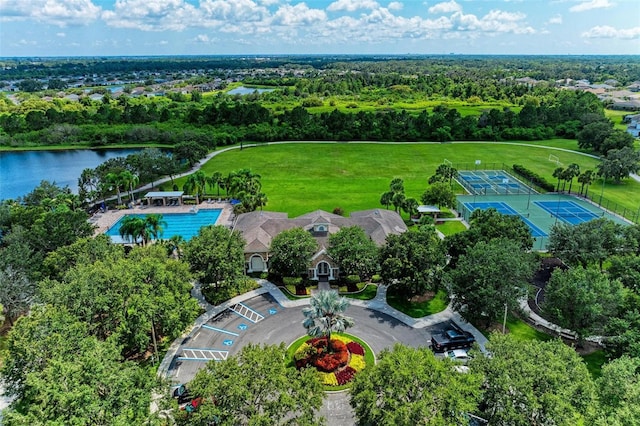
(185, 224)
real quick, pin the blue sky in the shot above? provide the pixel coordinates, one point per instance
(214, 27)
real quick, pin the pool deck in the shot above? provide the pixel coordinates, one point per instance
(104, 221)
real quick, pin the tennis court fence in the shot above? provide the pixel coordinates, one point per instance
(632, 215)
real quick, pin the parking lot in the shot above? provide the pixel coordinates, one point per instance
(262, 319)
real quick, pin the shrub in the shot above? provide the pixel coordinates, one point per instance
(339, 211)
(352, 279)
(376, 278)
(533, 177)
(293, 281)
(345, 375)
(357, 362)
(355, 348)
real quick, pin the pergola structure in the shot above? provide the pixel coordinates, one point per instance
(168, 198)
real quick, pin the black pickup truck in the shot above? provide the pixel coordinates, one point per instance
(452, 338)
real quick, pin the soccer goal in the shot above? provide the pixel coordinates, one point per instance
(555, 159)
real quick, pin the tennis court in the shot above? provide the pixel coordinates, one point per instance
(504, 208)
(537, 211)
(491, 182)
(568, 211)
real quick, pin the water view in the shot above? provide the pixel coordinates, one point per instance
(247, 90)
(21, 172)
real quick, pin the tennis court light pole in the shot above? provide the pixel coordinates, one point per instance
(604, 178)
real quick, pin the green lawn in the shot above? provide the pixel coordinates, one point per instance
(418, 310)
(368, 293)
(302, 177)
(451, 227)
(595, 361)
(523, 331)
(616, 117)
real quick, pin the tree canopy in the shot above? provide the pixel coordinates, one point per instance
(411, 386)
(291, 252)
(255, 387)
(582, 300)
(490, 276)
(353, 251)
(534, 383)
(413, 261)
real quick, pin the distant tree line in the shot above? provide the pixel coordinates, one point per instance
(226, 121)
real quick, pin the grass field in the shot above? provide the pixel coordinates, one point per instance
(451, 227)
(302, 177)
(418, 310)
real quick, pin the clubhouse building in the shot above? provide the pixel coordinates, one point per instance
(260, 227)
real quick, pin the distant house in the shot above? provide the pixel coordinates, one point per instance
(633, 126)
(260, 227)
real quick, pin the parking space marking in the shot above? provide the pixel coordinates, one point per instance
(220, 330)
(242, 326)
(202, 354)
(247, 312)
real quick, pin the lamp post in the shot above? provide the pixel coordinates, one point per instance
(604, 179)
(504, 322)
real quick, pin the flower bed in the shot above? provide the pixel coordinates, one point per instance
(336, 365)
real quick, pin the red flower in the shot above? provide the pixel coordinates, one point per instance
(355, 348)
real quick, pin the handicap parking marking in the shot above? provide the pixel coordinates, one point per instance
(228, 342)
(242, 326)
(273, 311)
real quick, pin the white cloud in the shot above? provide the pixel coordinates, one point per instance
(300, 14)
(352, 5)
(201, 38)
(495, 21)
(55, 12)
(606, 31)
(591, 4)
(555, 20)
(61, 34)
(446, 7)
(395, 5)
(156, 15)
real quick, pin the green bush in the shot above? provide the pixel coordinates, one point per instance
(533, 177)
(352, 279)
(292, 281)
(216, 295)
(376, 278)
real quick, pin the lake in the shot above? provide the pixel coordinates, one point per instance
(247, 90)
(21, 172)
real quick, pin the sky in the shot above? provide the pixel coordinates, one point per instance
(268, 27)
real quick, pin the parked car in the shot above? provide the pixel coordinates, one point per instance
(452, 338)
(458, 355)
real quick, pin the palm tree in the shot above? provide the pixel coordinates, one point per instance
(132, 228)
(129, 180)
(217, 180)
(115, 180)
(586, 179)
(195, 184)
(410, 206)
(558, 174)
(385, 199)
(573, 170)
(154, 226)
(326, 315)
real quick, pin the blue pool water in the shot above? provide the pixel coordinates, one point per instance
(185, 224)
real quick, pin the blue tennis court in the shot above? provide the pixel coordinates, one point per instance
(567, 211)
(491, 182)
(504, 208)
